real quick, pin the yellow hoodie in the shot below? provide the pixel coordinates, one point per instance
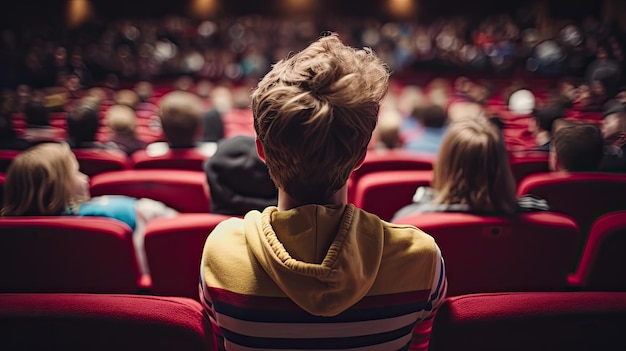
(270, 274)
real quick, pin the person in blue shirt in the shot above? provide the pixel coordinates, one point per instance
(433, 120)
(45, 180)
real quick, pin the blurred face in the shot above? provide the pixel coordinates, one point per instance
(610, 129)
(80, 182)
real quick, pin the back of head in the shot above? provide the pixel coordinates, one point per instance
(472, 168)
(37, 115)
(121, 119)
(144, 90)
(38, 181)
(82, 121)
(238, 179)
(578, 148)
(180, 114)
(127, 97)
(432, 116)
(314, 114)
(546, 116)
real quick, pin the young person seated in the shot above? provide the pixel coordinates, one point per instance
(541, 122)
(238, 179)
(613, 130)
(38, 128)
(122, 121)
(180, 114)
(45, 181)
(315, 272)
(576, 148)
(471, 174)
(433, 120)
(82, 125)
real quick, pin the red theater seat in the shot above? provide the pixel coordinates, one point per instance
(6, 157)
(96, 161)
(573, 321)
(101, 322)
(529, 163)
(583, 196)
(527, 252)
(2, 179)
(184, 191)
(390, 160)
(602, 265)
(384, 193)
(174, 249)
(67, 254)
(189, 159)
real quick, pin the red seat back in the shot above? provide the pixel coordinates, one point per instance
(390, 160)
(529, 164)
(174, 250)
(603, 262)
(531, 321)
(102, 322)
(6, 157)
(96, 161)
(2, 180)
(184, 191)
(583, 196)
(526, 252)
(384, 193)
(189, 159)
(67, 254)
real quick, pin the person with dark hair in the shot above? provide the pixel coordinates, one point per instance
(9, 139)
(613, 130)
(38, 129)
(433, 119)
(576, 148)
(238, 180)
(82, 125)
(540, 124)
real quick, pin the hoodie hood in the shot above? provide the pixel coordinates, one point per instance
(325, 258)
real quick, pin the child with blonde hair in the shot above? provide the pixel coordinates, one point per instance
(122, 121)
(45, 180)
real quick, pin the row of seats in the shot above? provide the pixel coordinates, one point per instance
(528, 252)
(96, 161)
(96, 255)
(488, 322)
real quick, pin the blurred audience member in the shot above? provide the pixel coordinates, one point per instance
(213, 125)
(238, 180)
(180, 113)
(614, 134)
(122, 121)
(45, 181)
(577, 148)
(9, 139)
(82, 125)
(433, 121)
(471, 174)
(127, 97)
(38, 128)
(540, 125)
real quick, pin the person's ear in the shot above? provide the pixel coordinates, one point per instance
(259, 150)
(360, 162)
(621, 139)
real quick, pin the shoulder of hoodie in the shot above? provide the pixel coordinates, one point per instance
(406, 234)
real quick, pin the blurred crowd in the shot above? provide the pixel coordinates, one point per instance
(242, 48)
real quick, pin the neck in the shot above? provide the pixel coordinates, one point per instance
(286, 202)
